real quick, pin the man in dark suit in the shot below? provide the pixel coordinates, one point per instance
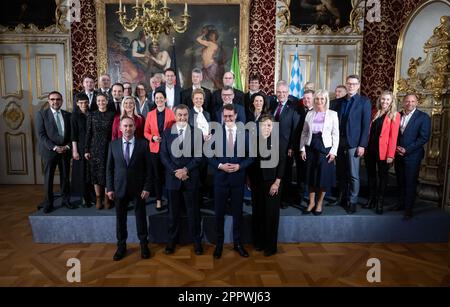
(172, 90)
(88, 89)
(217, 102)
(227, 98)
(186, 94)
(415, 128)
(104, 85)
(114, 104)
(182, 176)
(53, 133)
(229, 178)
(354, 112)
(284, 111)
(128, 179)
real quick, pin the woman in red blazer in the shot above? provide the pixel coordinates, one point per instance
(381, 149)
(128, 108)
(156, 122)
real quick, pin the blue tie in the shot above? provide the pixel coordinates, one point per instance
(127, 153)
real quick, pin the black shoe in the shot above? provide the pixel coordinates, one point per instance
(48, 209)
(379, 206)
(170, 249)
(408, 214)
(259, 248)
(198, 249)
(371, 203)
(218, 251)
(68, 204)
(241, 250)
(145, 251)
(268, 253)
(397, 208)
(315, 212)
(306, 211)
(120, 253)
(351, 208)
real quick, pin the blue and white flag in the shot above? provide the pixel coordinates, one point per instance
(296, 85)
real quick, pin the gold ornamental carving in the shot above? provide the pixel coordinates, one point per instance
(430, 74)
(13, 115)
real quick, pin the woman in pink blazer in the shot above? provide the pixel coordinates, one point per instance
(156, 122)
(381, 149)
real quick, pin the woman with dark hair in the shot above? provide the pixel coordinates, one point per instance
(258, 107)
(265, 182)
(98, 136)
(141, 99)
(156, 122)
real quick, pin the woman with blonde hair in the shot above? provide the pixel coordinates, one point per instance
(128, 107)
(318, 147)
(381, 149)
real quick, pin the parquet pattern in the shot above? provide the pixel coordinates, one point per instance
(24, 263)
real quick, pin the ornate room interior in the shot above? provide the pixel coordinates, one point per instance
(394, 45)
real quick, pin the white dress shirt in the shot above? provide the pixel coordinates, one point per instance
(405, 120)
(124, 146)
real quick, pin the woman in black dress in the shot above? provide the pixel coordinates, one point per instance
(98, 137)
(265, 181)
(80, 183)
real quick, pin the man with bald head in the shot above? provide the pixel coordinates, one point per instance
(217, 102)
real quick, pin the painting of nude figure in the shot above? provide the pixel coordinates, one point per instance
(207, 44)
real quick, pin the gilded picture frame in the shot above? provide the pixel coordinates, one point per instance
(243, 31)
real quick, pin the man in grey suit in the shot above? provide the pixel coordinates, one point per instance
(128, 179)
(53, 133)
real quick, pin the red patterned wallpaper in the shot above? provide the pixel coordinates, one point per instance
(84, 45)
(262, 42)
(380, 45)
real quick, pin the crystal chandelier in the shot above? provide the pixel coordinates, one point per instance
(153, 17)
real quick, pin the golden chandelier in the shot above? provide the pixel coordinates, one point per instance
(153, 19)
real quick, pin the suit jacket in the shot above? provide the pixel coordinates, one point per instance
(192, 117)
(235, 179)
(108, 92)
(288, 122)
(151, 127)
(47, 132)
(217, 102)
(256, 172)
(388, 137)
(92, 104)
(186, 97)
(112, 107)
(330, 131)
(358, 122)
(416, 134)
(172, 163)
(129, 179)
(239, 110)
(177, 96)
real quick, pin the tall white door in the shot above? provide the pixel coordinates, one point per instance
(28, 72)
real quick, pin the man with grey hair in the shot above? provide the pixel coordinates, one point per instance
(217, 102)
(285, 113)
(104, 85)
(186, 94)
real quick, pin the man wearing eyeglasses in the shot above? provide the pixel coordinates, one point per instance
(53, 133)
(354, 112)
(227, 95)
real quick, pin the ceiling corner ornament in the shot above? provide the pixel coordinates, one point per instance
(430, 74)
(354, 27)
(13, 115)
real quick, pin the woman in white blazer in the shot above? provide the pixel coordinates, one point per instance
(318, 147)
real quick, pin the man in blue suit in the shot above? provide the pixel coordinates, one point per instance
(181, 162)
(128, 179)
(229, 178)
(415, 127)
(354, 112)
(227, 98)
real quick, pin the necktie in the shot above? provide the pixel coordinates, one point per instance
(90, 98)
(58, 124)
(277, 113)
(118, 106)
(180, 138)
(230, 143)
(127, 153)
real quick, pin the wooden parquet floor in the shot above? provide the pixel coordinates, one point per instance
(24, 263)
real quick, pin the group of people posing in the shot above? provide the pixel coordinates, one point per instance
(126, 147)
